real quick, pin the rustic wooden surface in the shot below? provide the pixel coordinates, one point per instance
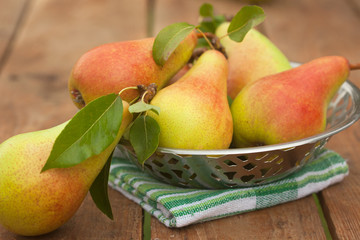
(40, 40)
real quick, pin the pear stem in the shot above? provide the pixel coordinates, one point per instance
(127, 88)
(354, 66)
(212, 40)
(201, 34)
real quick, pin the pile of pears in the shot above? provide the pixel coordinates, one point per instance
(246, 95)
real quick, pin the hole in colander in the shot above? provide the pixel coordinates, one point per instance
(157, 163)
(264, 171)
(247, 178)
(230, 175)
(215, 177)
(249, 166)
(218, 167)
(277, 171)
(242, 158)
(261, 156)
(173, 161)
(186, 167)
(178, 173)
(193, 176)
(271, 158)
(231, 184)
(148, 166)
(167, 175)
(279, 161)
(183, 183)
(229, 163)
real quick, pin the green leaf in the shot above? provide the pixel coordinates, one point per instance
(247, 18)
(168, 39)
(99, 190)
(206, 10)
(208, 21)
(144, 137)
(143, 107)
(88, 133)
(207, 26)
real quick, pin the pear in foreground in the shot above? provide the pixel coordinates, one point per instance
(194, 111)
(34, 203)
(289, 105)
(253, 58)
(111, 67)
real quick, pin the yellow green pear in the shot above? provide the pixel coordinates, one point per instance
(253, 58)
(287, 106)
(194, 111)
(34, 203)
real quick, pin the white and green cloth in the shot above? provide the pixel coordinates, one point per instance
(179, 207)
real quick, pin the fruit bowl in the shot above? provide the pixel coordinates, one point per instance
(243, 167)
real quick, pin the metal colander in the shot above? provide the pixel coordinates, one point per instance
(243, 167)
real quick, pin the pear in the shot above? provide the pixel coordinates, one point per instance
(34, 203)
(253, 58)
(112, 67)
(289, 105)
(194, 112)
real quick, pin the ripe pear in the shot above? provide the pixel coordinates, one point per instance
(194, 111)
(289, 105)
(34, 203)
(112, 67)
(253, 58)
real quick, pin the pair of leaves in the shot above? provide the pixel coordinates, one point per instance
(169, 38)
(92, 130)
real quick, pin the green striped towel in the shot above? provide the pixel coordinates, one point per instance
(179, 207)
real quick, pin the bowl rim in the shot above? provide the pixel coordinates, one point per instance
(351, 88)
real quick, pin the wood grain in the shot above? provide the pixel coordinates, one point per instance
(10, 18)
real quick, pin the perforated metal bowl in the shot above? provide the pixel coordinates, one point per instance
(242, 167)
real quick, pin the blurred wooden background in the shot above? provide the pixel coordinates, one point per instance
(40, 40)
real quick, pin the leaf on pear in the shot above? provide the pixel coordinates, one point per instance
(88, 133)
(143, 107)
(144, 137)
(247, 18)
(168, 39)
(99, 190)
(206, 10)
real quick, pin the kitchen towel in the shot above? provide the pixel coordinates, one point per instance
(179, 207)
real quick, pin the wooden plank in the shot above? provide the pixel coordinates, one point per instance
(286, 221)
(320, 28)
(10, 14)
(297, 219)
(33, 88)
(89, 223)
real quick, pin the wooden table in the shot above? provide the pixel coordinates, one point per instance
(40, 40)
